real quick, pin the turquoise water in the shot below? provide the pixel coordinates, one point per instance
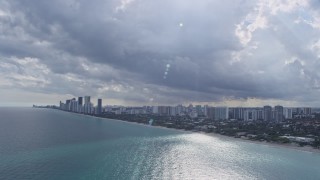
(51, 144)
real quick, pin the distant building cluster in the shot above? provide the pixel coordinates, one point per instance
(82, 105)
(266, 113)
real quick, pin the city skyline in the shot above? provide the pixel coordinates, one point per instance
(94, 102)
(266, 113)
(134, 52)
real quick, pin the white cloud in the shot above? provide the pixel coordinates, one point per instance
(253, 21)
(276, 6)
(293, 60)
(26, 72)
(123, 5)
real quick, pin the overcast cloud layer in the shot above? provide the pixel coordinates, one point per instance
(136, 52)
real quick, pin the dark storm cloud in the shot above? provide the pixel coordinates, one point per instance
(178, 50)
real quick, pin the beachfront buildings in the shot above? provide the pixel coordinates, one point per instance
(80, 106)
(267, 113)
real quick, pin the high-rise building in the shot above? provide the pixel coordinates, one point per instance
(238, 113)
(210, 112)
(260, 113)
(87, 105)
(221, 113)
(80, 105)
(267, 113)
(278, 113)
(298, 111)
(172, 111)
(288, 113)
(99, 108)
(164, 110)
(180, 109)
(205, 110)
(199, 110)
(61, 105)
(87, 100)
(73, 105)
(231, 113)
(250, 114)
(307, 111)
(67, 106)
(155, 110)
(253, 114)
(80, 101)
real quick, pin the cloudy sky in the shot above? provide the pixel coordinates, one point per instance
(135, 52)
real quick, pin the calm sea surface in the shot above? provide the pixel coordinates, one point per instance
(50, 144)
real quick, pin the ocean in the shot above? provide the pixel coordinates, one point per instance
(52, 144)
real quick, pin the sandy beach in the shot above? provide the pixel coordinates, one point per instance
(277, 145)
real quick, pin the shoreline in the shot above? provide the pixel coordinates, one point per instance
(308, 149)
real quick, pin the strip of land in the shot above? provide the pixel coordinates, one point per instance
(147, 123)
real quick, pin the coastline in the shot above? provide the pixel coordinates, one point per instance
(308, 149)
